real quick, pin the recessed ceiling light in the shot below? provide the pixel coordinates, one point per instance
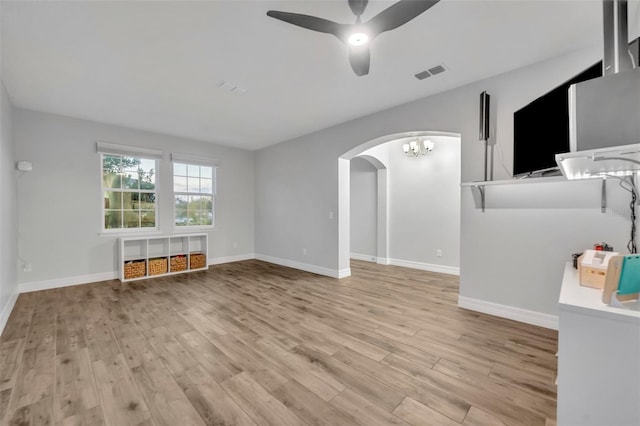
(358, 39)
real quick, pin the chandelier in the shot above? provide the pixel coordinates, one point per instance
(417, 147)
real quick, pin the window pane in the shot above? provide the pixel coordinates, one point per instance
(147, 166)
(207, 218)
(131, 219)
(179, 184)
(193, 185)
(147, 201)
(148, 181)
(148, 218)
(194, 171)
(200, 203)
(111, 163)
(111, 180)
(131, 164)
(181, 207)
(206, 186)
(112, 200)
(130, 200)
(130, 180)
(206, 172)
(179, 169)
(112, 219)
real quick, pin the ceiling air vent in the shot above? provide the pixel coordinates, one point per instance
(431, 71)
(436, 70)
(422, 75)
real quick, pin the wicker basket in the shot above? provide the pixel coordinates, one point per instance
(158, 266)
(197, 261)
(135, 269)
(178, 263)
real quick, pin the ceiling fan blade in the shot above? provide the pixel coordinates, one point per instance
(358, 6)
(398, 14)
(360, 58)
(310, 22)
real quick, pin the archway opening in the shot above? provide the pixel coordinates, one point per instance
(404, 217)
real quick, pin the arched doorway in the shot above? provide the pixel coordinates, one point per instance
(344, 197)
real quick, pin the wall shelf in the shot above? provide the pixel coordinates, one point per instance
(157, 256)
(479, 189)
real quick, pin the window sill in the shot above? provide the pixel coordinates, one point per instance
(192, 229)
(136, 232)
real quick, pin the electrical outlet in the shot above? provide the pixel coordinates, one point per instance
(304, 251)
(439, 253)
(330, 215)
(26, 267)
(235, 244)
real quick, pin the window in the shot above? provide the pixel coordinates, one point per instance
(194, 189)
(129, 191)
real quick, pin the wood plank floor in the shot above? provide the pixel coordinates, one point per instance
(250, 343)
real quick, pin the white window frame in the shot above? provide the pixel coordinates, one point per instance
(195, 161)
(105, 148)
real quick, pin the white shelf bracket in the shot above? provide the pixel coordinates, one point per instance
(478, 192)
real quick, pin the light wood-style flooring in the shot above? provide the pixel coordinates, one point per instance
(253, 343)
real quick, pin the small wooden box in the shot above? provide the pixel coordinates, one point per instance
(592, 268)
(178, 263)
(158, 266)
(135, 269)
(197, 261)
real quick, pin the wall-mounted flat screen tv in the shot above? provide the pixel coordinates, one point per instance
(541, 128)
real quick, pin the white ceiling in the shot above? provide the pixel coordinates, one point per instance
(157, 65)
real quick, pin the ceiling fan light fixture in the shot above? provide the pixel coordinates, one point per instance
(358, 39)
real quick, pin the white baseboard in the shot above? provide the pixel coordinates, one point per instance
(229, 259)
(509, 312)
(6, 311)
(65, 282)
(320, 270)
(364, 257)
(443, 269)
(382, 261)
(344, 273)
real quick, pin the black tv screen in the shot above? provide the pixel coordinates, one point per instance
(541, 128)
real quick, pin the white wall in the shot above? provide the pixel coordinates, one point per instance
(423, 203)
(59, 201)
(8, 211)
(510, 256)
(364, 206)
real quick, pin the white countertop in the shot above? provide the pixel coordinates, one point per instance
(578, 298)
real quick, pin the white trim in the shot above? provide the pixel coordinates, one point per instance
(364, 257)
(344, 273)
(66, 282)
(6, 311)
(112, 148)
(320, 270)
(383, 261)
(509, 312)
(194, 159)
(229, 259)
(442, 269)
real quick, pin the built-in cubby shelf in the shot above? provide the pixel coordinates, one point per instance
(156, 256)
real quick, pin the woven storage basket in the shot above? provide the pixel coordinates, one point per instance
(158, 266)
(197, 261)
(178, 263)
(135, 269)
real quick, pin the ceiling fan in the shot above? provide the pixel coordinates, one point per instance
(358, 36)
